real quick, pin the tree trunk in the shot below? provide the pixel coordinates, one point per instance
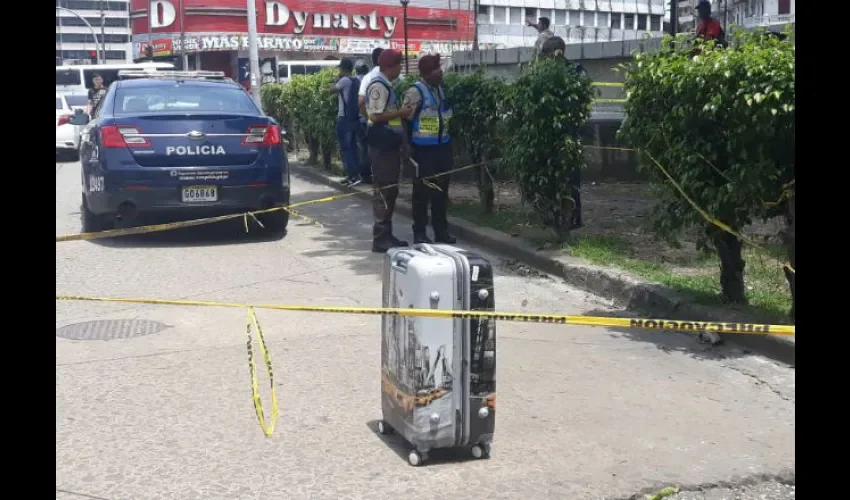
(327, 158)
(563, 219)
(789, 238)
(729, 249)
(313, 149)
(486, 192)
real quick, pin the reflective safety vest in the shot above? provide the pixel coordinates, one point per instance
(392, 104)
(430, 125)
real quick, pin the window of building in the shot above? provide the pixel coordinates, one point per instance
(87, 38)
(590, 19)
(500, 15)
(616, 20)
(109, 22)
(628, 22)
(531, 14)
(575, 19)
(641, 22)
(84, 54)
(654, 23)
(560, 18)
(516, 15)
(603, 19)
(93, 5)
(483, 14)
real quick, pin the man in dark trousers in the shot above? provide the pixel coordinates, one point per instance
(361, 69)
(385, 135)
(346, 88)
(431, 150)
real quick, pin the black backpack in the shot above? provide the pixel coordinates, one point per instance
(352, 109)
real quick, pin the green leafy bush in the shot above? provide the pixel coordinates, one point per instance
(545, 109)
(722, 124)
(477, 126)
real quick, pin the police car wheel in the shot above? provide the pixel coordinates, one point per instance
(276, 221)
(92, 223)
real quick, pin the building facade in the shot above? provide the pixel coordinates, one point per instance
(214, 34)
(502, 23)
(110, 21)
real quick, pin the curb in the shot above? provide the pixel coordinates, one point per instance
(624, 289)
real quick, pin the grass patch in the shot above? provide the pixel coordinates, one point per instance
(696, 277)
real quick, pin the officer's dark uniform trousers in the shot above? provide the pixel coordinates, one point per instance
(386, 170)
(432, 160)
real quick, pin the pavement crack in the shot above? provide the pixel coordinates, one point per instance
(787, 478)
(761, 382)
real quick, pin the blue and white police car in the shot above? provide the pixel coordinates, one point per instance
(180, 145)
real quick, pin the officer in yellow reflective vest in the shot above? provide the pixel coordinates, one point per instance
(431, 150)
(385, 136)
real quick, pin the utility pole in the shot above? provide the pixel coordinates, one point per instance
(674, 17)
(254, 53)
(183, 54)
(475, 18)
(150, 25)
(102, 33)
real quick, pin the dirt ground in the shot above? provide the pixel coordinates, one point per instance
(616, 209)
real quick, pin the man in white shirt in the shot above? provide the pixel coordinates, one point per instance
(367, 79)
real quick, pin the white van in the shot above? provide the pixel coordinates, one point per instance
(288, 69)
(77, 79)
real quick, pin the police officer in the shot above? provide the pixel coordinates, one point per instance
(431, 150)
(385, 135)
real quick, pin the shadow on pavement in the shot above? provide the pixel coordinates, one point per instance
(435, 457)
(684, 343)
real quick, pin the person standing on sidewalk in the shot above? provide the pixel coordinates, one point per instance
(347, 88)
(385, 135)
(361, 69)
(543, 33)
(431, 149)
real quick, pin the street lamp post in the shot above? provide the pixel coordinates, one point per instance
(83, 19)
(406, 48)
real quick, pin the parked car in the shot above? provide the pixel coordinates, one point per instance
(67, 134)
(180, 145)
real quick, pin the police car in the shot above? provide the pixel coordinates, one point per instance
(180, 145)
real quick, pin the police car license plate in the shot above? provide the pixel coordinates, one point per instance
(199, 194)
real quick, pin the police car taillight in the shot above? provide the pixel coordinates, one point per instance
(118, 136)
(262, 135)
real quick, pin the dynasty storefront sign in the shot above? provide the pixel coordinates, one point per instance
(303, 18)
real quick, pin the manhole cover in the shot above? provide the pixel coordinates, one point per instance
(110, 329)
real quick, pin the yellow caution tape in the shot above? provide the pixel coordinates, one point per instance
(608, 84)
(154, 228)
(609, 100)
(557, 319)
(268, 429)
(711, 219)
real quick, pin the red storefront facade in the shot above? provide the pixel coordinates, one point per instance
(214, 32)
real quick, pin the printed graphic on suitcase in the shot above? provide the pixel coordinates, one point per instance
(437, 373)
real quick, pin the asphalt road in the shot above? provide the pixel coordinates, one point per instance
(163, 409)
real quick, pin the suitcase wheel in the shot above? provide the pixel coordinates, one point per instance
(481, 450)
(415, 458)
(384, 428)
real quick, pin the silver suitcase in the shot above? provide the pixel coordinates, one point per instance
(438, 374)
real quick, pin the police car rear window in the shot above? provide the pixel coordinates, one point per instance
(182, 99)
